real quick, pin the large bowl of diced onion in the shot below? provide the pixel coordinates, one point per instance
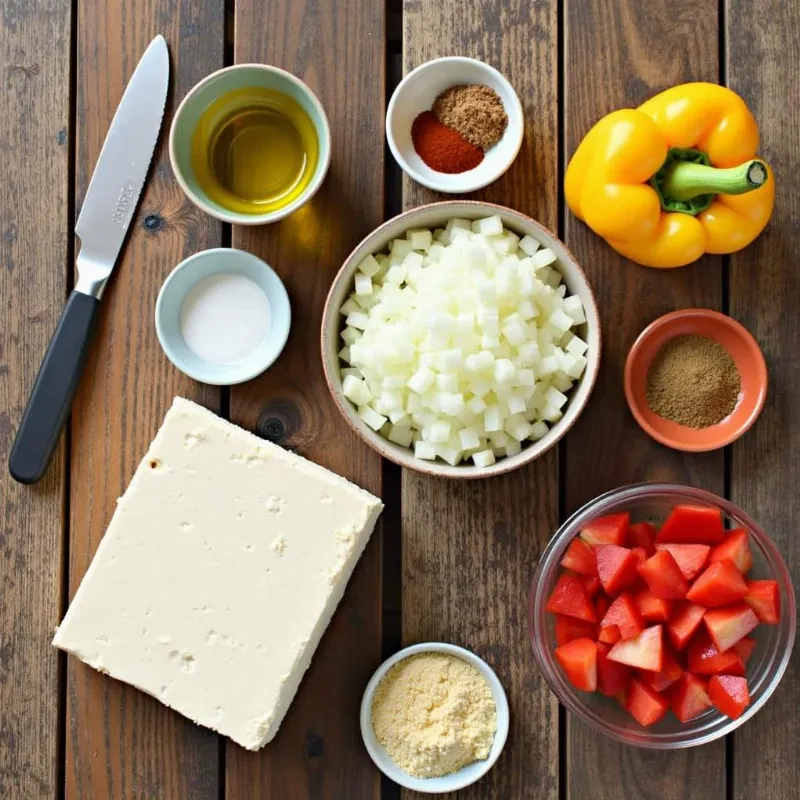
(461, 339)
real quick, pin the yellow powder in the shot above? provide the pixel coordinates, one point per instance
(434, 713)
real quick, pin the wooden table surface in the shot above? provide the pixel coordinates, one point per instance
(452, 560)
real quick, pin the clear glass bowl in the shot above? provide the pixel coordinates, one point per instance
(652, 502)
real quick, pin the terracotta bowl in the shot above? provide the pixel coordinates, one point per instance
(746, 355)
(433, 216)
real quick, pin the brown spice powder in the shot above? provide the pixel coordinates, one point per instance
(693, 381)
(475, 111)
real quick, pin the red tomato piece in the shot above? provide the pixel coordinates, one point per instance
(729, 693)
(705, 659)
(612, 678)
(690, 558)
(601, 605)
(616, 567)
(670, 673)
(736, 547)
(720, 585)
(611, 529)
(645, 651)
(580, 558)
(692, 525)
(744, 648)
(641, 554)
(728, 625)
(764, 598)
(685, 621)
(568, 629)
(569, 598)
(651, 607)
(624, 615)
(578, 659)
(644, 705)
(609, 635)
(663, 576)
(689, 697)
(642, 534)
(591, 584)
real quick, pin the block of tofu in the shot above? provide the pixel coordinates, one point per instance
(219, 572)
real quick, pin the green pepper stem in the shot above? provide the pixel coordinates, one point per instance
(684, 180)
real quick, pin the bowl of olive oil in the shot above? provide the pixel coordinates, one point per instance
(250, 144)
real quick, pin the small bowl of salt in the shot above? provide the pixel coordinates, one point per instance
(223, 316)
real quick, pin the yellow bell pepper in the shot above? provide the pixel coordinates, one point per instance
(675, 178)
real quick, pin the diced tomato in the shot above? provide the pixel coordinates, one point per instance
(578, 659)
(692, 525)
(685, 621)
(705, 659)
(644, 705)
(609, 635)
(624, 615)
(736, 547)
(690, 558)
(651, 607)
(645, 651)
(720, 585)
(663, 576)
(611, 529)
(568, 629)
(728, 625)
(601, 605)
(765, 599)
(591, 584)
(616, 567)
(641, 554)
(670, 673)
(729, 693)
(580, 558)
(642, 534)
(744, 648)
(612, 678)
(569, 598)
(689, 697)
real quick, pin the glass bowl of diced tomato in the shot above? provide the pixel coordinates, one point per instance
(662, 615)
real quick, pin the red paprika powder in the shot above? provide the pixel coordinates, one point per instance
(442, 148)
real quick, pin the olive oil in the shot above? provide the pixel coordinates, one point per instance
(254, 150)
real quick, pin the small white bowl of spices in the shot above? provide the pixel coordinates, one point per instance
(454, 124)
(434, 718)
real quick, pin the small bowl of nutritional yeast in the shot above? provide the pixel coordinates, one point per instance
(454, 124)
(434, 718)
(695, 380)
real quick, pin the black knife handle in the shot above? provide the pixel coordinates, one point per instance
(51, 397)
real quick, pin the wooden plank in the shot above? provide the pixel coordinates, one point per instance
(34, 193)
(634, 50)
(122, 743)
(337, 47)
(469, 548)
(762, 46)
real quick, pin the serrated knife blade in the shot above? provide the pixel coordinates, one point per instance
(105, 217)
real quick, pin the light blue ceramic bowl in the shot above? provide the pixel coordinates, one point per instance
(218, 84)
(188, 273)
(467, 775)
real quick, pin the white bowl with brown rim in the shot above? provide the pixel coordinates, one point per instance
(436, 215)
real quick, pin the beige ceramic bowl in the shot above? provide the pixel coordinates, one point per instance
(436, 215)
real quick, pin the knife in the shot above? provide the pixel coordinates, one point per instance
(105, 217)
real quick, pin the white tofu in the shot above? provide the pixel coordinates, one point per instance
(218, 575)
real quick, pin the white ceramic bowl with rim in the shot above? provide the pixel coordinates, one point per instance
(467, 775)
(416, 93)
(436, 215)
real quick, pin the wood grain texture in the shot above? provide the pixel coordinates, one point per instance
(34, 192)
(763, 54)
(122, 743)
(469, 548)
(618, 54)
(337, 47)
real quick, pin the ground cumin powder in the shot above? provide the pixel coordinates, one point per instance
(693, 381)
(475, 111)
(434, 714)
